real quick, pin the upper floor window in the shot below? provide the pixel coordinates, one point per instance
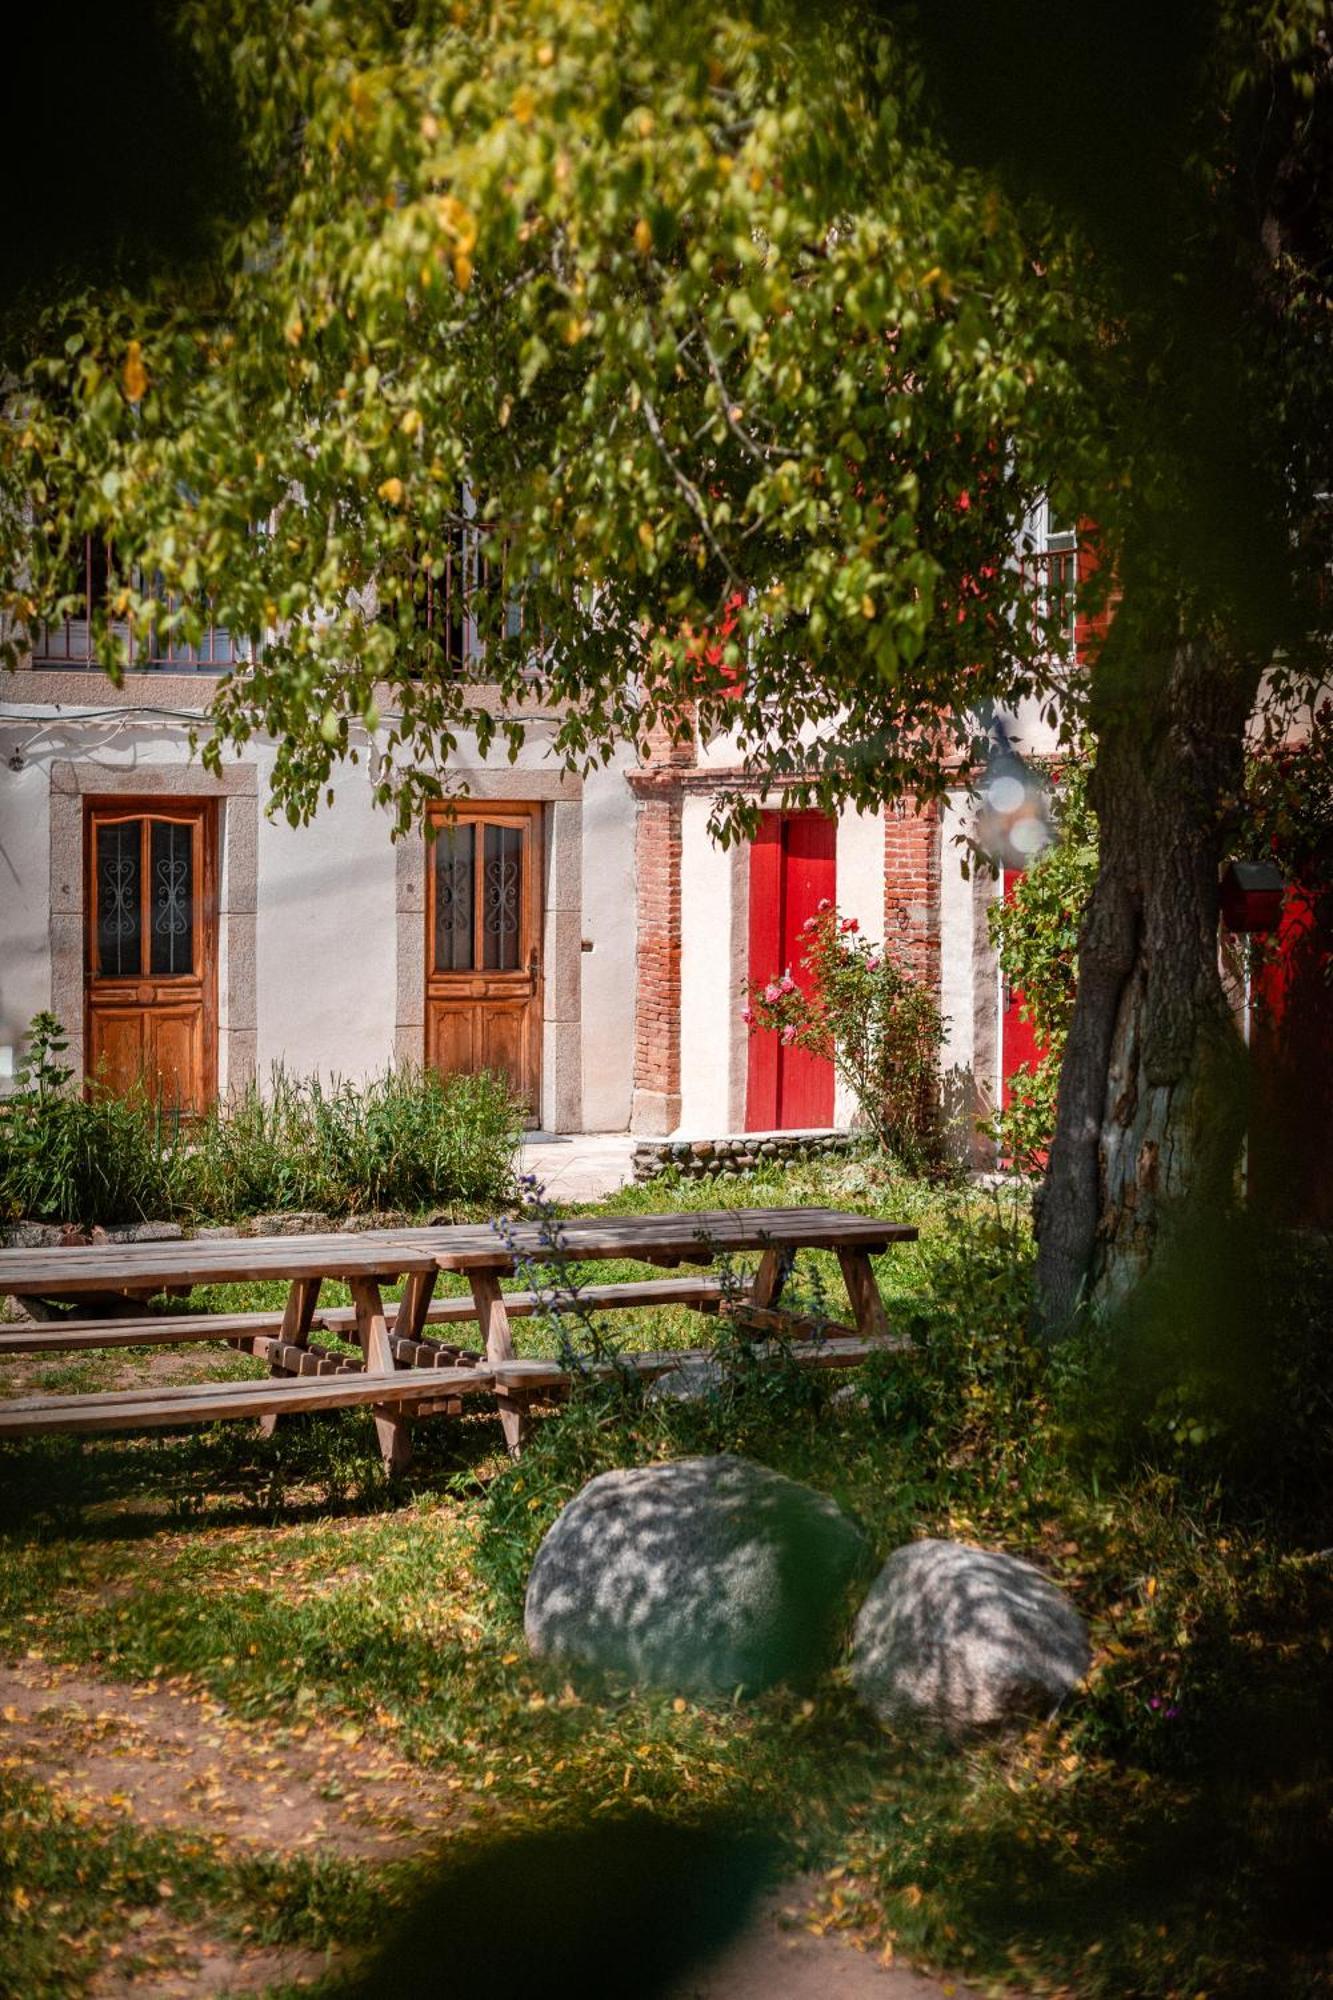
(1049, 563)
(71, 641)
(450, 607)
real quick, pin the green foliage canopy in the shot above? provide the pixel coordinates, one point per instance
(692, 312)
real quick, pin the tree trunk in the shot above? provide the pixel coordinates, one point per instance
(1151, 1112)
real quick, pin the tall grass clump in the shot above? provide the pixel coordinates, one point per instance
(95, 1159)
(408, 1139)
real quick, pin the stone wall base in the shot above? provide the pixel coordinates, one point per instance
(739, 1153)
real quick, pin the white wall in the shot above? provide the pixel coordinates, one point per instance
(25, 933)
(860, 894)
(711, 985)
(608, 970)
(326, 938)
(969, 985)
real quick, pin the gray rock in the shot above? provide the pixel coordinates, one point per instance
(291, 1222)
(688, 1383)
(139, 1232)
(704, 1574)
(40, 1235)
(963, 1638)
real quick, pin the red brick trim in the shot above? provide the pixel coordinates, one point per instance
(912, 836)
(657, 851)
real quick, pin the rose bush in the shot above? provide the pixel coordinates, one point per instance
(861, 1009)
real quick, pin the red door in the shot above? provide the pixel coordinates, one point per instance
(1290, 1173)
(793, 868)
(1019, 1041)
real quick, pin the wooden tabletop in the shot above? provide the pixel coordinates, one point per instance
(701, 1232)
(392, 1253)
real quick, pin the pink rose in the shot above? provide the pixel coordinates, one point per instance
(825, 904)
(849, 924)
(872, 965)
(809, 923)
(772, 992)
(747, 1017)
(788, 1036)
(788, 983)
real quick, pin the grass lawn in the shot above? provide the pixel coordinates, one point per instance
(251, 1692)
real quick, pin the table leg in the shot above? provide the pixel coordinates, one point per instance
(872, 1322)
(498, 1344)
(297, 1316)
(391, 1426)
(417, 1294)
(775, 1267)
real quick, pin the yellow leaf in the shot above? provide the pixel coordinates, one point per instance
(643, 236)
(134, 375)
(430, 126)
(392, 491)
(679, 1704)
(462, 271)
(546, 55)
(867, 606)
(523, 105)
(509, 1660)
(294, 330)
(410, 423)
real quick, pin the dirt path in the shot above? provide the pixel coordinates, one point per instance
(186, 1764)
(778, 1958)
(183, 1763)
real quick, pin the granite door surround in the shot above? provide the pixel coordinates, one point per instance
(561, 927)
(237, 790)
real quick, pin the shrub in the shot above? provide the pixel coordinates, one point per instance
(1036, 935)
(102, 1158)
(407, 1139)
(879, 1027)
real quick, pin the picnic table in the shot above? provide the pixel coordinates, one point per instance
(403, 1370)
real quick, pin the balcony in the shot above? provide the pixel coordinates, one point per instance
(71, 641)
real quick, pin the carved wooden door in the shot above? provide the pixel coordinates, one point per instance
(151, 949)
(483, 945)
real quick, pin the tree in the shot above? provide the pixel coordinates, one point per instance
(741, 378)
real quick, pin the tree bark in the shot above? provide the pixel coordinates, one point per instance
(1150, 1116)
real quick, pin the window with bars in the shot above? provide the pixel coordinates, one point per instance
(478, 897)
(459, 600)
(145, 897)
(71, 641)
(1049, 565)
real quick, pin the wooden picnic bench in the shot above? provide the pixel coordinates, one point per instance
(402, 1370)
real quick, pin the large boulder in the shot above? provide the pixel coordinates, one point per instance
(962, 1639)
(704, 1574)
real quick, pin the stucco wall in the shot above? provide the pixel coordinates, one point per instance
(320, 927)
(25, 931)
(712, 974)
(607, 970)
(969, 988)
(860, 875)
(326, 938)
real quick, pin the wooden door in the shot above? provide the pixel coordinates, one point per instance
(483, 946)
(150, 955)
(793, 868)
